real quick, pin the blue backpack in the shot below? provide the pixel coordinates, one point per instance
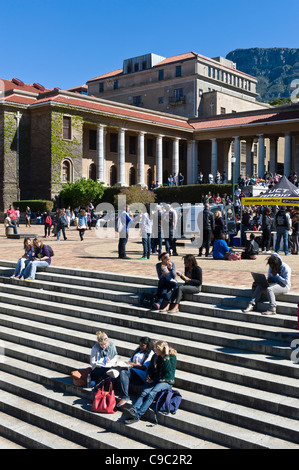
(167, 401)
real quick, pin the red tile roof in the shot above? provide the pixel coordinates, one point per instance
(16, 84)
(95, 105)
(107, 75)
(235, 120)
(19, 99)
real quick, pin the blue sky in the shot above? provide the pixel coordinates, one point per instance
(64, 43)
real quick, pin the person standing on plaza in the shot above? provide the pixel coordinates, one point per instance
(181, 179)
(146, 228)
(282, 223)
(82, 223)
(266, 230)
(295, 234)
(61, 224)
(28, 216)
(48, 224)
(208, 227)
(124, 220)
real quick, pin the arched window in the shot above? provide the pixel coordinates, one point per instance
(113, 175)
(132, 176)
(66, 171)
(149, 178)
(92, 172)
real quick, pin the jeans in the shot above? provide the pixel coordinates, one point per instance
(61, 229)
(164, 290)
(81, 233)
(266, 239)
(206, 241)
(170, 243)
(126, 377)
(282, 232)
(157, 241)
(273, 289)
(122, 242)
(147, 397)
(15, 231)
(20, 266)
(178, 293)
(146, 243)
(30, 270)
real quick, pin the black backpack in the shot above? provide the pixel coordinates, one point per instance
(51, 252)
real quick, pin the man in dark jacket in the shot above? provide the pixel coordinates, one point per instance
(208, 227)
(282, 225)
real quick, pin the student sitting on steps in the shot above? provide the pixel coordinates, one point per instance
(160, 376)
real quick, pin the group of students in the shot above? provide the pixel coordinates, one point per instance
(151, 366)
(36, 255)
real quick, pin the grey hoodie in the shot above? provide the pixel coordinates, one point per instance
(283, 278)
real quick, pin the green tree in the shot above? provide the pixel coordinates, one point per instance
(82, 192)
(135, 194)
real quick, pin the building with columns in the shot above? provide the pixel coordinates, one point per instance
(49, 137)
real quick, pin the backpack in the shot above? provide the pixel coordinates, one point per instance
(167, 401)
(146, 300)
(51, 252)
(48, 220)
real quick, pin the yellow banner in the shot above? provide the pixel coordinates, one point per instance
(267, 201)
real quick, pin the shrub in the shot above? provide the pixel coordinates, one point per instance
(190, 193)
(81, 192)
(36, 205)
(135, 194)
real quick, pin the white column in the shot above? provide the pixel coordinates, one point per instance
(140, 165)
(214, 157)
(261, 156)
(195, 162)
(190, 161)
(175, 157)
(101, 153)
(249, 158)
(273, 154)
(287, 154)
(159, 159)
(238, 157)
(121, 158)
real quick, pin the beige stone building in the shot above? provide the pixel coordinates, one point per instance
(188, 85)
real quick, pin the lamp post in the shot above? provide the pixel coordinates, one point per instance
(233, 161)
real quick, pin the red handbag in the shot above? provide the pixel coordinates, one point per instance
(104, 401)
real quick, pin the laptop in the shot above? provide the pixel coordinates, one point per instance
(260, 279)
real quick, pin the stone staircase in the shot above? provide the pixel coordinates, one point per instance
(239, 385)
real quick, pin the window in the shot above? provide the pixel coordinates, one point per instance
(65, 171)
(132, 145)
(144, 65)
(92, 172)
(67, 127)
(132, 176)
(113, 175)
(165, 149)
(178, 71)
(92, 140)
(101, 87)
(179, 93)
(209, 71)
(161, 100)
(222, 111)
(136, 67)
(150, 147)
(161, 74)
(115, 87)
(113, 143)
(137, 100)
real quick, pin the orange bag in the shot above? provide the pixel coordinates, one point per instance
(80, 377)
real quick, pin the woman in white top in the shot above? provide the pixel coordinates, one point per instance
(136, 373)
(146, 228)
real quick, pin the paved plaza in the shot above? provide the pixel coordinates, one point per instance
(101, 254)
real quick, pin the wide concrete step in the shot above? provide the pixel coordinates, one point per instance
(127, 282)
(49, 394)
(27, 434)
(9, 445)
(225, 339)
(65, 329)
